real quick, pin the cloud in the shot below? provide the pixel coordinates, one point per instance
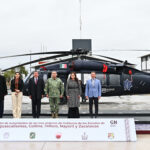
(27, 24)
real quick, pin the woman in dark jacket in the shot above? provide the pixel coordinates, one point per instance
(73, 92)
(16, 89)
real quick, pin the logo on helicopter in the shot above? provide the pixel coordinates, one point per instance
(127, 85)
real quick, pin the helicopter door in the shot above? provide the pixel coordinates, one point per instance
(102, 78)
(114, 80)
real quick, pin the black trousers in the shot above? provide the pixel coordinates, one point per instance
(95, 99)
(1, 108)
(73, 112)
(36, 108)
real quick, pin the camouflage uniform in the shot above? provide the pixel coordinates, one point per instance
(54, 88)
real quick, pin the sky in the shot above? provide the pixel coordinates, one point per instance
(49, 25)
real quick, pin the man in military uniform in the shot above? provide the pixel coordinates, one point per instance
(54, 90)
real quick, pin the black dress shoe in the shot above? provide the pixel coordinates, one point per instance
(91, 116)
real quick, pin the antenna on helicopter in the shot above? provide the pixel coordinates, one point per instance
(80, 19)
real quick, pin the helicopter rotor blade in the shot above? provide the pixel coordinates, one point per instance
(51, 63)
(71, 52)
(97, 59)
(114, 59)
(40, 53)
(34, 61)
(136, 50)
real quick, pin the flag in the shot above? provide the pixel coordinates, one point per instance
(63, 65)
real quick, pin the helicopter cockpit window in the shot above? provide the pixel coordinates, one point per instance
(114, 80)
(101, 78)
(45, 77)
(28, 78)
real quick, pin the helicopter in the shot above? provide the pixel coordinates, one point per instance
(117, 77)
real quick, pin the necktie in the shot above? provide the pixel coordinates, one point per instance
(36, 80)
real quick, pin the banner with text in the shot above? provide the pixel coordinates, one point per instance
(67, 130)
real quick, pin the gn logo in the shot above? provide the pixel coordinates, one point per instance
(113, 122)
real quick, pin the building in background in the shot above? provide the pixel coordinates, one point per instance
(145, 63)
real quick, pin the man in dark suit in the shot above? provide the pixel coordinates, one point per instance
(3, 92)
(36, 93)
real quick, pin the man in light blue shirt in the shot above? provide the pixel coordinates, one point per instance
(93, 93)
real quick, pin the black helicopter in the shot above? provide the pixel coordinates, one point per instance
(117, 77)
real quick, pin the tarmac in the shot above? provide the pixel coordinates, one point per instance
(136, 106)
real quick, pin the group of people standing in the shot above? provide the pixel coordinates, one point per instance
(54, 90)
